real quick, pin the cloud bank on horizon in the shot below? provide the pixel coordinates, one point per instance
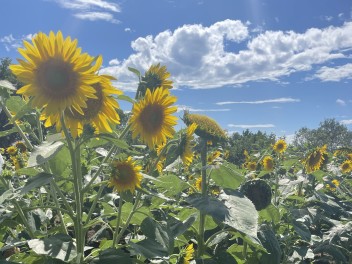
(198, 57)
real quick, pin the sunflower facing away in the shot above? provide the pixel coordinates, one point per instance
(156, 76)
(315, 159)
(57, 75)
(152, 117)
(280, 146)
(186, 145)
(100, 112)
(346, 166)
(125, 175)
(268, 163)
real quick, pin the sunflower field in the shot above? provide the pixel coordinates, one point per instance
(84, 182)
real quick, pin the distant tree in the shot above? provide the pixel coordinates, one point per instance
(6, 74)
(249, 141)
(330, 132)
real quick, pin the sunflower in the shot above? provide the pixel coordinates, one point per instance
(125, 175)
(198, 184)
(332, 186)
(349, 156)
(156, 76)
(346, 166)
(152, 117)
(207, 128)
(315, 159)
(57, 75)
(12, 150)
(185, 148)
(21, 146)
(213, 156)
(188, 254)
(268, 163)
(252, 165)
(100, 112)
(280, 146)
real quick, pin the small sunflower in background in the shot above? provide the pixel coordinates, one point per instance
(21, 146)
(280, 146)
(187, 255)
(268, 163)
(125, 175)
(152, 117)
(185, 148)
(251, 166)
(12, 151)
(156, 76)
(346, 166)
(315, 159)
(207, 128)
(56, 74)
(213, 157)
(198, 184)
(333, 185)
(100, 112)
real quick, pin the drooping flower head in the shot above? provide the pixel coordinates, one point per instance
(315, 159)
(268, 163)
(56, 74)
(125, 175)
(100, 112)
(258, 191)
(280, 146)
(156, 76)
(207, 128)
(185, 148)
(152, 117)
(346, 166)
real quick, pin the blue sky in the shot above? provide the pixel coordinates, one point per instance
(271, 65)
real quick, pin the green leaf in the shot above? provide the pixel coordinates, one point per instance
(117, 142)
(112, 256)
(14, 103)
(227, 176)
(180, 227)
(125, 98)
(149, 248)
(22, 111)
(7, 85)
(60, 165)
(138, 216)
(135, 71)
(270, 214)
(271, 244)
(170, 185)
(44, 153)
(8, 132)
(302, 230)
(41, 179)
(59, 246)
(7, 196)
(233, 209)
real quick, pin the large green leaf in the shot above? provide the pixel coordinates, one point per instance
(270, 214)
(149, 248)
(233, 209)
(15, 103)
(60, 165)
(227, 176)
(44, 153)
(59, 246)
(271, 244)
(170, 185)
(178, 227)
(41, 179)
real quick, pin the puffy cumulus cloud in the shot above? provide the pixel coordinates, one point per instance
(334, 74)
(93, 16)
(341, 102)
(346, 122)
(196, 57)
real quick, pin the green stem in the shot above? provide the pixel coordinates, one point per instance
(92, 208)
(62, 222)
(117, 223)
(244, 251)
(203, 156)
(79, 234)
(20, 131)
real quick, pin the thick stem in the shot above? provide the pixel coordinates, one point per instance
(116, 233)
(203, 156)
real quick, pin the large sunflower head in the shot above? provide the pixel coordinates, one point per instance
(207, 128)
(56, 74)
(346, 166)
(315, 159)
(280, 146)
(100, 112)
(125, 175)
(152, 117)
(156, 76)
(268, 163)
(185, 148)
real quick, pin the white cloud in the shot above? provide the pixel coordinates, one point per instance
(93, 16)
(92, 10)
(191, 109)
(252, 126)
(334, 74)
(196, 58)
(10, 42)
(346, 122)
(277, 100)
(341, 102)
(114, 62)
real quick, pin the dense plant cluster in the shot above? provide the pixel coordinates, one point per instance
(83, 182)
